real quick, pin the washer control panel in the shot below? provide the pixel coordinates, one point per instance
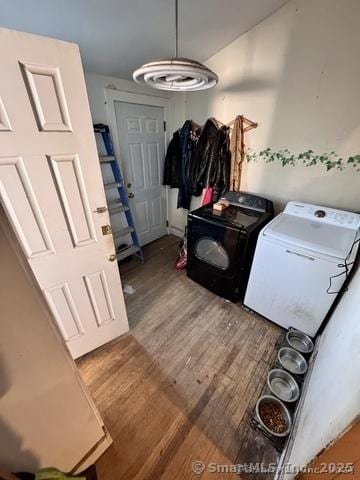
(324, 214)
(247, 200)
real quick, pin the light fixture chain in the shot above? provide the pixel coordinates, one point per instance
(176, 74)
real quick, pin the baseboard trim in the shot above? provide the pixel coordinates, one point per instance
(178, 232)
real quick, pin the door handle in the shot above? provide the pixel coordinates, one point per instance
(300, 255)
(131, 195)
(112, 257)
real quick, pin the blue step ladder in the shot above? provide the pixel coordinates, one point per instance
(120, 204)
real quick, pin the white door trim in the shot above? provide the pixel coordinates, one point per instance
(113, 96)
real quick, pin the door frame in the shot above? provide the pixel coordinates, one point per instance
(112, 96)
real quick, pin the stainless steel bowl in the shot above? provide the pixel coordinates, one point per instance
(300, 341)
(292, 360)
(286, 414)
(283, 385)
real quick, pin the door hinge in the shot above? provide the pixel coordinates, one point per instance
(101, 210)
(164, 126)
(106, 230)
(167, 223)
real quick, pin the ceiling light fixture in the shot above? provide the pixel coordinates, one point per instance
(176, 74)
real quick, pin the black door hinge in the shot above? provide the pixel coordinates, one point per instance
(164, 126)
(167, 223)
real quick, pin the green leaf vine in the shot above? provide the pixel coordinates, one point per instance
(308, 158)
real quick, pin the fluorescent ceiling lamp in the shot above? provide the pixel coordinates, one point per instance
(176, 74)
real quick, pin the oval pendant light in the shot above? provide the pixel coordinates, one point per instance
(176, 74)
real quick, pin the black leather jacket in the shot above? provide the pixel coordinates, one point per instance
(201, 157)
(197, 160)
(172, 166)
(189, 135)
(218, 171)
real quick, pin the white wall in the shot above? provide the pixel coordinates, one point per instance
(177, 217)
(96, 86)
(333, 398)
(296, 74)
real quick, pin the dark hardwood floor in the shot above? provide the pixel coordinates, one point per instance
(179, 386)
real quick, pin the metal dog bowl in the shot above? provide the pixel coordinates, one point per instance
(299, 341)
(269, 399)
(283, 385)
(292, 360)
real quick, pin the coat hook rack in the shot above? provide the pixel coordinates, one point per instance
(240, 125)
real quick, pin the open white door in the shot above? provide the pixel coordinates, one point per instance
(51, 186)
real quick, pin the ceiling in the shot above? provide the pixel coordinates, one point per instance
(116, 36)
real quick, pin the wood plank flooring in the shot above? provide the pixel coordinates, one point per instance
(179, 386)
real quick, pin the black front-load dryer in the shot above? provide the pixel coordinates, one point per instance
(221, 244)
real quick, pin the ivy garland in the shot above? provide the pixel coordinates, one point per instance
(308, 158)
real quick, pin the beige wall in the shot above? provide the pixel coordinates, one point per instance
(177, 217)
(46, 418)
(96, 86)
(332, 400)
(297, 75)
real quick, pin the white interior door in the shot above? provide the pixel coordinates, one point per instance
(142, 149)
(50, 187)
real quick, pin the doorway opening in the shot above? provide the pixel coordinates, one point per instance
(138, 127)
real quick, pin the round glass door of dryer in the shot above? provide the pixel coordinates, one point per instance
(212, 252)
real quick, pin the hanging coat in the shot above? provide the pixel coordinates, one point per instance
(188, 142)
(201, 156)
(197, 159)
(218, 168)
(172, 165)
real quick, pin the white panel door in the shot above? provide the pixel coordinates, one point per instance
(50, 187)
(142, 149)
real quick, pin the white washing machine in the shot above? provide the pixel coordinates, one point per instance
(300, 264)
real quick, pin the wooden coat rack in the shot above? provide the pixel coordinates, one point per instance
(240, 125)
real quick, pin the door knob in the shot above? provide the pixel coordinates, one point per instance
(112, 257)
(128, 185)
(131, 195)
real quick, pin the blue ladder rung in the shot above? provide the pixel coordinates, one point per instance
(107, 158)
(126, 252)
(115, 206)
(123, 232)
(119, 209)
(108, 186)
